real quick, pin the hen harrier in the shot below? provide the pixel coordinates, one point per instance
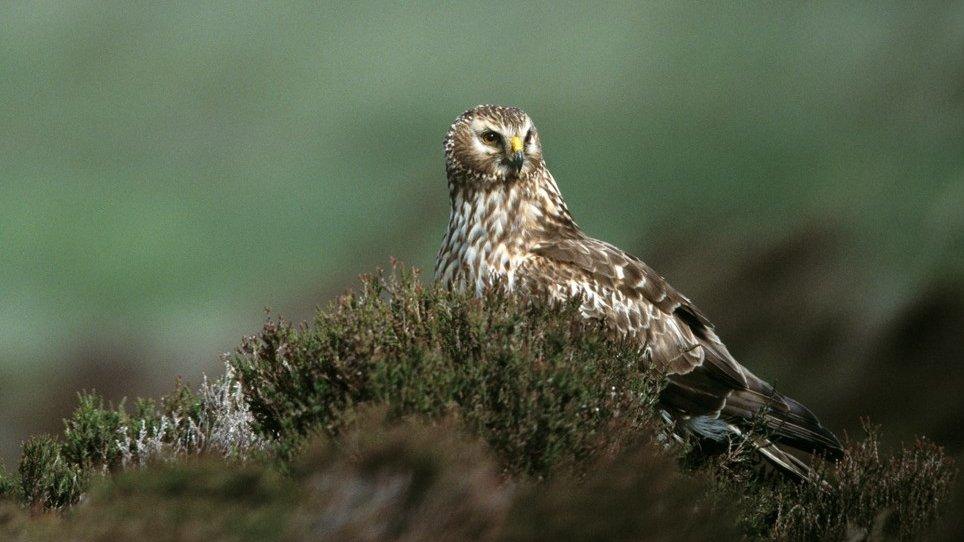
(510, 225)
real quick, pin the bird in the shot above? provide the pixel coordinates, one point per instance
(509, 226)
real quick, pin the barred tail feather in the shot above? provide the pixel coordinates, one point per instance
(783, 460)
(717, 430)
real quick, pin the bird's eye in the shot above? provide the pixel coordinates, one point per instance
(529, 136)
(490, 137)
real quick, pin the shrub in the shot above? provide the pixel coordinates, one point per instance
(197, 498)
(542, 386)
(7, 484)
(390, 480)
(47, 479)
(498, 419)
(90, 435)
(867, 495)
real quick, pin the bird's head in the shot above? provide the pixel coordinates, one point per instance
(491, 143)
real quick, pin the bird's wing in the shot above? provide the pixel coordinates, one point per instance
(638, 302)
(704, 379)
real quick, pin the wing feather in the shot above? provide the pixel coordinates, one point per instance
(704, 378)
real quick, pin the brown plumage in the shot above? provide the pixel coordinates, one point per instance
(509, 225)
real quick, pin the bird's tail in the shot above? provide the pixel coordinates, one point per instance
(750, 411)
(776, 454)
(718, 431)
(784, 420)
(781, 459)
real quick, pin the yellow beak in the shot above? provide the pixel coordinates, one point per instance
(516, 144)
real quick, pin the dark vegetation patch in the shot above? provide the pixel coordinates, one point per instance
(407, 413)
(540, 386)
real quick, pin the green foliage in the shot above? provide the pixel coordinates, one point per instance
(191, 500)
(540, 385)
(7, 484)
(493, 419)
(389, 480)
(637, 492)
(47, 478)
(97, 438)
(886, 497)
(91, 434)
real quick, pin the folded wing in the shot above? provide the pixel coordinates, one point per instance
(705, 381)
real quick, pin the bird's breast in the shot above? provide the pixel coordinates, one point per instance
(484, 244)
(474, 266)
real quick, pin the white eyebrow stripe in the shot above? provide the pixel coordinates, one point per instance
(478, 125)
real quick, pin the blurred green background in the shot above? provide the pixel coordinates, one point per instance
(167, 172)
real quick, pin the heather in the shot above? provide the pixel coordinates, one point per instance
(406, 413)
